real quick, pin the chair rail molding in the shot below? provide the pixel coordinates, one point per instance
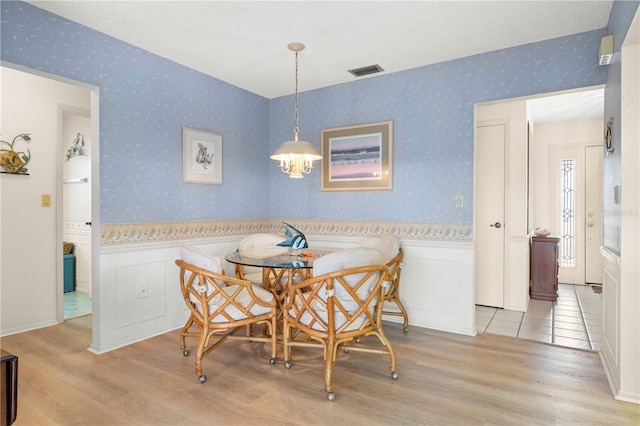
(123, 233)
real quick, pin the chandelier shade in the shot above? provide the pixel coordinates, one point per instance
(296, 157)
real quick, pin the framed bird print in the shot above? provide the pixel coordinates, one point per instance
(201, 156)
(357, 158)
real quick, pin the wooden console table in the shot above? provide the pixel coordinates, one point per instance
(544, 268)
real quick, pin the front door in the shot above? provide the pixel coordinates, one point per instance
(577, 212)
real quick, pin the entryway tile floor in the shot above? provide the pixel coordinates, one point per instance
(76, 304)
(574, 320)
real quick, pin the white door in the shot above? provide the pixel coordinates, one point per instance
(593, 208)
(567, 166)
(489, 215)
(577, 212)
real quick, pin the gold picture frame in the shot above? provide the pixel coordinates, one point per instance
(358, 158)
(201, 156)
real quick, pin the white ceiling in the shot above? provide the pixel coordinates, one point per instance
(581, 105)
(245, 42)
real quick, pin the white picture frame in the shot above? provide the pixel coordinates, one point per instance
(201, 156)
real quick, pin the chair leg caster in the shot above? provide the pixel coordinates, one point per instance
(357, 339)
(394, 375)
(331, 396)
(202, 378)
(272, 361)
(287, 365)
(185, 352)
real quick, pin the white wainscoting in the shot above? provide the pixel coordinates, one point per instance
(127, 272)
(437, 286)
(611, 306)
(619, 338)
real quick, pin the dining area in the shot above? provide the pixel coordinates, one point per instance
(283, 295)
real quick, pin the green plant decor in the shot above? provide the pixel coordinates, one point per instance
(15, 161)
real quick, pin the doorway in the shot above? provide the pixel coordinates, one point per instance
(76, 216)
(36, 100)
(532, 126)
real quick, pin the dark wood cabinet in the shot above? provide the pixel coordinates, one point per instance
(9, 385)
(544, 268)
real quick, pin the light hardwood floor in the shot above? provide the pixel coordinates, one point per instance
(445, 379)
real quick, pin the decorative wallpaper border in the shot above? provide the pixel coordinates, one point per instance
(165, 231)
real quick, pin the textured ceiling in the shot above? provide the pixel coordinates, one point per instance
(245, 42)
(581, 105)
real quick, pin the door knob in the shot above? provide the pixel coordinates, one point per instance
(497, 224)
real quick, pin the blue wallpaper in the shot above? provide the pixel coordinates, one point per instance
(146, 100)
(622, 13)
(432, 112)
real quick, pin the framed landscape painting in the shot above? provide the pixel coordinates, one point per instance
(357, 158)
(201, 156)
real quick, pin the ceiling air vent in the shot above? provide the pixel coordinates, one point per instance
(371, 69)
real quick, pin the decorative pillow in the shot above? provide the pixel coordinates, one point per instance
(383, 244)
(320, 321)
(244, 299)
(345, 259)
(395, 243)
(200, 258)
(203, 260)
(262, 245)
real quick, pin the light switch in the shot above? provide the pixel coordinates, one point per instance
(46, 200)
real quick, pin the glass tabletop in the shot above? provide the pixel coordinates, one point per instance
(298, 259)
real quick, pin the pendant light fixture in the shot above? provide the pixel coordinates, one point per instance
(296, 157)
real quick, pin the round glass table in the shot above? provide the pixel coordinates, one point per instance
(280, 270)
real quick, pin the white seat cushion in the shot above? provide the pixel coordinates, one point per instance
(345, 259)
(389, 246)
(200, 258)
(244, 300)
(339, 319)
(262, 245)
(382, 244)
(395, 244)
(259, 246)
(336, 261)
(203, 260)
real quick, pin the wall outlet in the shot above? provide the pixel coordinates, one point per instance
(46, 200)
(459, 201)
(143, 290)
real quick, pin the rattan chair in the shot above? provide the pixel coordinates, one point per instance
(341, 302)
(259, 245)
(220, 306)
(389, 245)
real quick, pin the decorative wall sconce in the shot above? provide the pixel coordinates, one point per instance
(608, 137)
(77, 147)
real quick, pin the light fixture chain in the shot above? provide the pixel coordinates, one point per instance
(296, 130)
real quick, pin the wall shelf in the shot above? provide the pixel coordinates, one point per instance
(81, 180)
